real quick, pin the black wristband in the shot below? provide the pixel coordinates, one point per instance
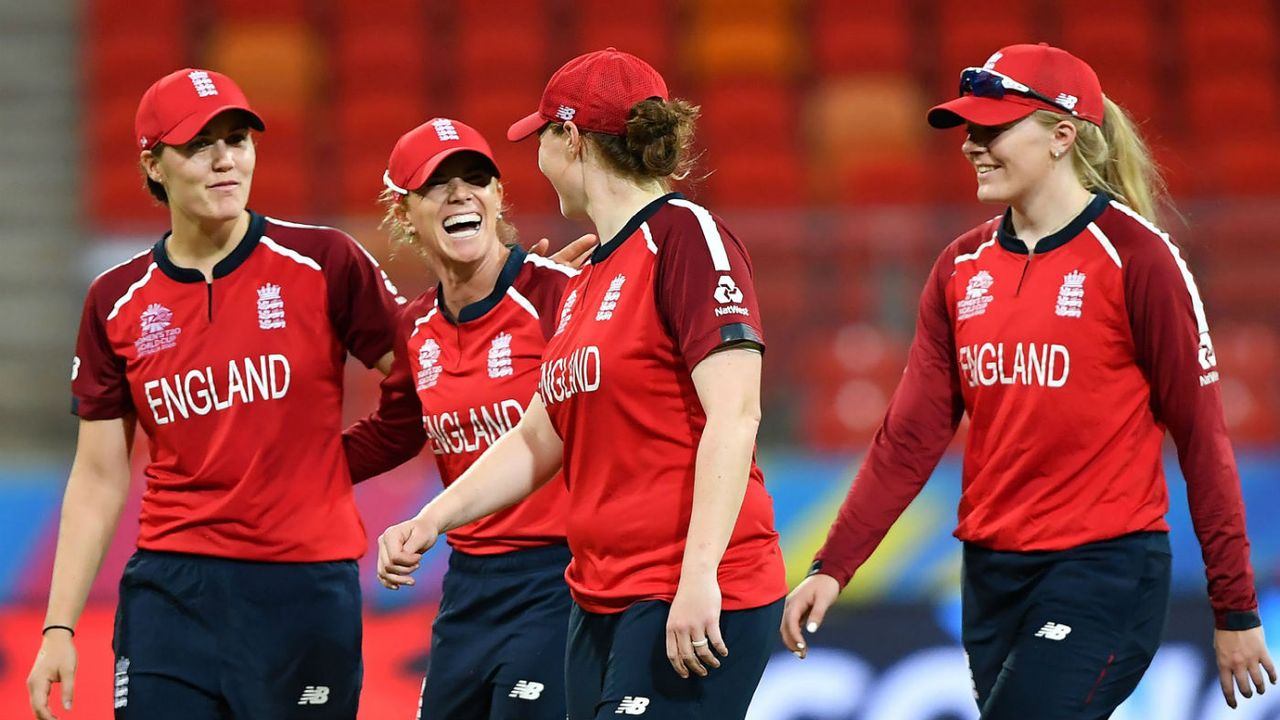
(1238, 621)
(815, 568)
(68, 628)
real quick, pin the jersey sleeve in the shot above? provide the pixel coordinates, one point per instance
(544, 288)
(99, 385)
(921, 419)
(1171, 339)
(362, 302)
(392, 434)
(705, 292)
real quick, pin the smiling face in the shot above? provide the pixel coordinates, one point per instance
(208, 177)
(455, 213)
(1009, 159)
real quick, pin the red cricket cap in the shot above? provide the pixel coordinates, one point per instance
(596, 91)
(418, 152)
(1052, 72)
(177, 105)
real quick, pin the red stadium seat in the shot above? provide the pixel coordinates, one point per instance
(755, 177)
(746, 114)
(1229, 37)
(967, 37)
(1242, 105)
(744, 44)
(864, 37)
(381, 59)
(367, 128)
(276, 61)
(642, 29)
(236, 11)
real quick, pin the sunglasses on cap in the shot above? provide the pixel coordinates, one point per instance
(984, 83)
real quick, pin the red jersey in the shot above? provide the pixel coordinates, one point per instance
(467, 381)
(673, 285)
(1072, 363)
(237, 384)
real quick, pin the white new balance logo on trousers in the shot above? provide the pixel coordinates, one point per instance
(1053, 631)
(632, 706)
(527, 690)
(314, 695)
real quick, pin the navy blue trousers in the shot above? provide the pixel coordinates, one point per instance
(617, 665)
(1064, 634)
(497, 644)
(204, 638)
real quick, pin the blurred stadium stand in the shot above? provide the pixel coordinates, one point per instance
(815, 150)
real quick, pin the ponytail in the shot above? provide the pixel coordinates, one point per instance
(1114, 159)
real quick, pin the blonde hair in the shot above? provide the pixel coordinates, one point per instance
(1114, 159)
(395, 220)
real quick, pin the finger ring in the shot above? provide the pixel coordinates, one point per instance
(699, 643)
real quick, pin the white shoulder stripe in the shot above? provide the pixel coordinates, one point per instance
(417, 324)
(1197, 305)
(715, 244)
(119, 265)
(648, 237)
(128, 294)
(1143, 221)
(549, 264)
(293, 255)
(1202, 322)
(1105, 242)
(301, 226)
(522, 301)
(974, 255)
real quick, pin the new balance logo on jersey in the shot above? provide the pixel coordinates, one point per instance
(610, 301)
(500, 356)
(566, 113)
(632, 706)
(1071, 295)
(314, 695)
(445, 129)
(566, 312)
(270, 307)
(727, 291)
(1054, 631)
(975, 299)
(156, 333)
(527, 690)
(122, 683)
(203, 84)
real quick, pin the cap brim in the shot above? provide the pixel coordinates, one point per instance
(190, 126)
(979, 111)
(525, 127)
(421, 174)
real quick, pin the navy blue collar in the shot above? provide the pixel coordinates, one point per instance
(1010, 242)
(510, 269)
(257, 224)
(605, 250)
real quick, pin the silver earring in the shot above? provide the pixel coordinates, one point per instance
(1056, 155)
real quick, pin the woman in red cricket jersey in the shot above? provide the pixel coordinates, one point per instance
(649, 397)
(226, 342)
(467, 357)
(1072, 333)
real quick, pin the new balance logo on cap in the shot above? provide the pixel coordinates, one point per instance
(314, 695)
(566, 113)
(632, 706)
(1053, 631)
(527, 690)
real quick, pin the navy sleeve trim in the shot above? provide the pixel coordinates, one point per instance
(1241, 620)
(739, 333)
